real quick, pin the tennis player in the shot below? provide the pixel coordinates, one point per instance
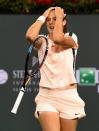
(58, 104)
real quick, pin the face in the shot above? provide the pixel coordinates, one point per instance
(50, 22)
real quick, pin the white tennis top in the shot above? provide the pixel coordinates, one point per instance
(57, 70)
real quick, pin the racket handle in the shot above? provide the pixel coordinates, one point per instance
(18, 101)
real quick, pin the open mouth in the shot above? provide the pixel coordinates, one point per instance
(51, 27)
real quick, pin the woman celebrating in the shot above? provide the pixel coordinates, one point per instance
(58, 104)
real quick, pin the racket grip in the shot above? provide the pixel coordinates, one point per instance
(18, 101)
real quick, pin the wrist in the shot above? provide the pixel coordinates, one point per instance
(42, 18)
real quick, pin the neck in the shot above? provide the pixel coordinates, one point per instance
(50, 36)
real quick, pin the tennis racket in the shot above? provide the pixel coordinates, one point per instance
(32, 65)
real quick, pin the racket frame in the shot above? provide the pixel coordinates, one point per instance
(28, 76)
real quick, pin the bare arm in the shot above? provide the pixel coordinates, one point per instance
(34, 30)
(58, 34)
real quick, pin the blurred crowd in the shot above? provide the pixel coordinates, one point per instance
(36, 6)
(72, 1)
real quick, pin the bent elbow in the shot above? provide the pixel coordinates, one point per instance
(58, 39)
(29, 37)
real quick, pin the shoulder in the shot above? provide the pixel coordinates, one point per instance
(74, 37)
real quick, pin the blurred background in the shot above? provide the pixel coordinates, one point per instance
(15, 18)
(36, 6)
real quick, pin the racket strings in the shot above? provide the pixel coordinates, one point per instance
(42, 52)
(35, 58)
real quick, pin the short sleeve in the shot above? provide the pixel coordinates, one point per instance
(74, 36)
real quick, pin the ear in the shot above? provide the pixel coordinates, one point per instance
(64, 22)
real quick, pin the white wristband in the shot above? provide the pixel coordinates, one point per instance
(42, 18)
